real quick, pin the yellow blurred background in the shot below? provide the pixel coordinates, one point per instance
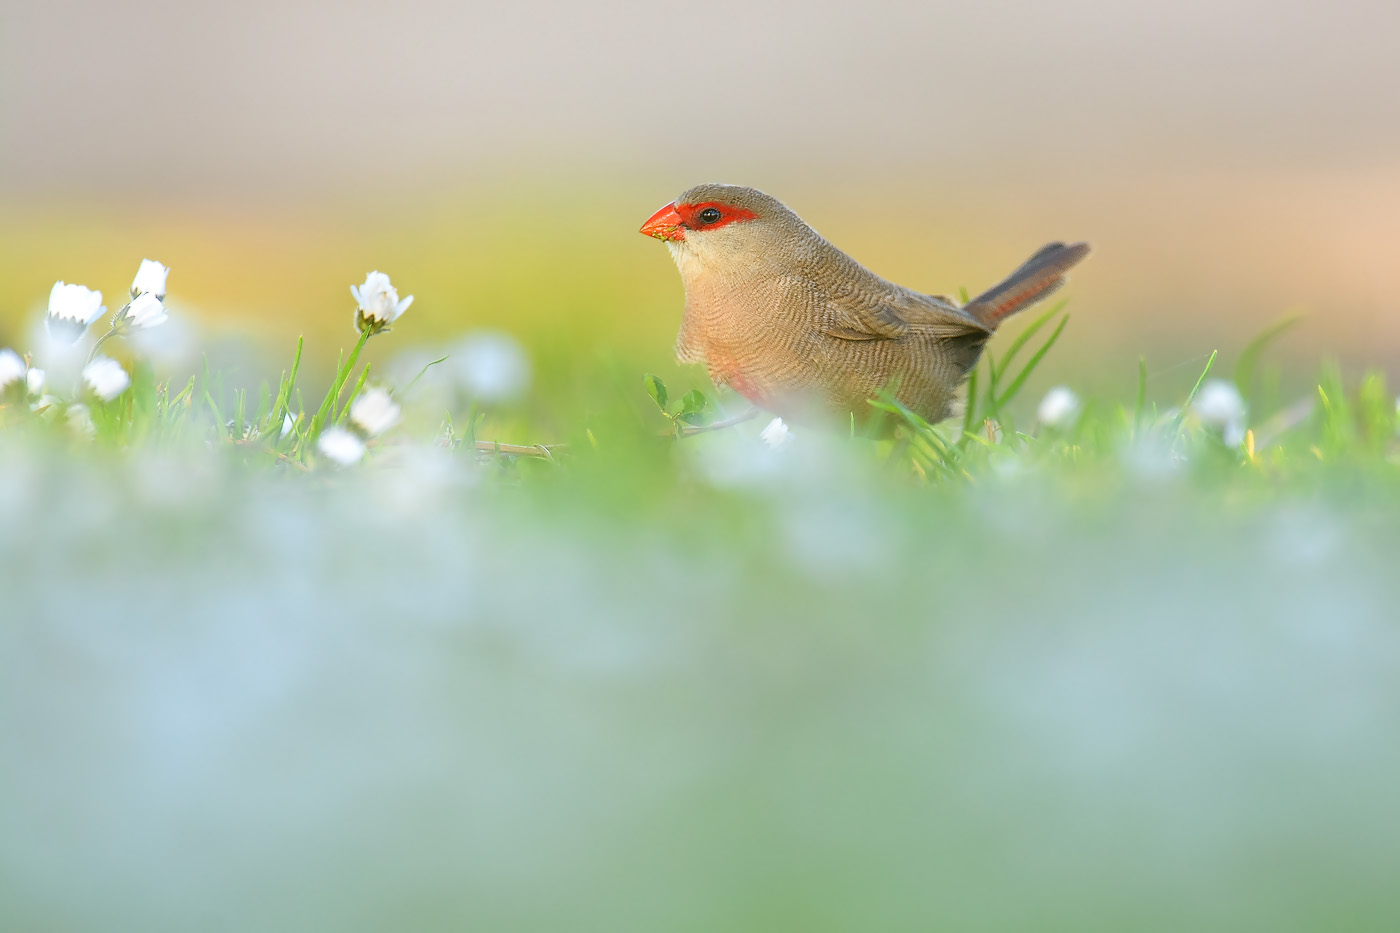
(1230, 161)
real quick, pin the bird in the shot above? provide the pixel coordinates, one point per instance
(801, 329)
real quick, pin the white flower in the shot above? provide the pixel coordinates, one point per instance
(374, 412)
(34, 381)
(379, 304)
(12, 368)
(288, 422)
(106, 378)
(71, 309)
(150, 279)
(776, 435)
(45, 404)
(145, 310)
(492, 366)
(341, 446)
(80, 421)
(1058, 408)
(1219, 405)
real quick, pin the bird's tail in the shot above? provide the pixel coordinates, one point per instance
(1037, 277)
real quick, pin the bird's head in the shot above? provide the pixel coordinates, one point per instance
(712, 224)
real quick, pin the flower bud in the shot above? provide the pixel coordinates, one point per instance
(341, 446)
(106, 378)
(1058, 408)
(71, 309)
(776, 435)
(379, 304)
(145, 310)
(150, 279)
(12, 368)
(374, 412)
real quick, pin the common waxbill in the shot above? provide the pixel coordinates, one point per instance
(796, 326)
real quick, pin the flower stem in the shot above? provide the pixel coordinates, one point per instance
(100, 341)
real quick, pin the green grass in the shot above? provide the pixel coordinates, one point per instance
(986, 674)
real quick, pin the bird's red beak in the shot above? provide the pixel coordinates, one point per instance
(665, 224)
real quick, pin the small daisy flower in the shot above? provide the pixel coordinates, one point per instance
(341, 446)
(106, 378)
(12, 368)
(150, 279)
(71, 309)
(374, 412)
(34, 381)
(776, 435)
(1219, 405)
(145, 310)
(1058, 408)
(379, 304)
(80, 421)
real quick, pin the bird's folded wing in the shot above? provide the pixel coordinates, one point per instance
(860, 317)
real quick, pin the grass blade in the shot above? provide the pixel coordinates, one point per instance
(1141, 395)
(284, 395)
(1249, 359)
(1186, 406)
(328, 403)
(409, 388)
(1024, 337)
(1031, 364)
(359, 384)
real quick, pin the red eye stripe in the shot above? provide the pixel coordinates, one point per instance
(728, 214)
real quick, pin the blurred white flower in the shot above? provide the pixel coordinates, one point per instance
(71, 309)
(34, 381)
(1058, 408)
(106, 378)
(175, 344)
(374, 412)
(80, 421)
(341, 446)
(379, 304)
(145, 310)
(492, 366)
(1219, 405)
(288, 422)
(776, 435)
(150, 279)
(46, 404)
(12, 368)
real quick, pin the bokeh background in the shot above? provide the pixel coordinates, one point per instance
(1231, 162)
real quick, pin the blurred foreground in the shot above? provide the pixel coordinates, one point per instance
(617, 696)
(1123, 669)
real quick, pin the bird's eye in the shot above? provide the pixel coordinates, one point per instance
(709, 215)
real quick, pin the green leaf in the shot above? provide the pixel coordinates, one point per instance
(693, 408)
(657, 390)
